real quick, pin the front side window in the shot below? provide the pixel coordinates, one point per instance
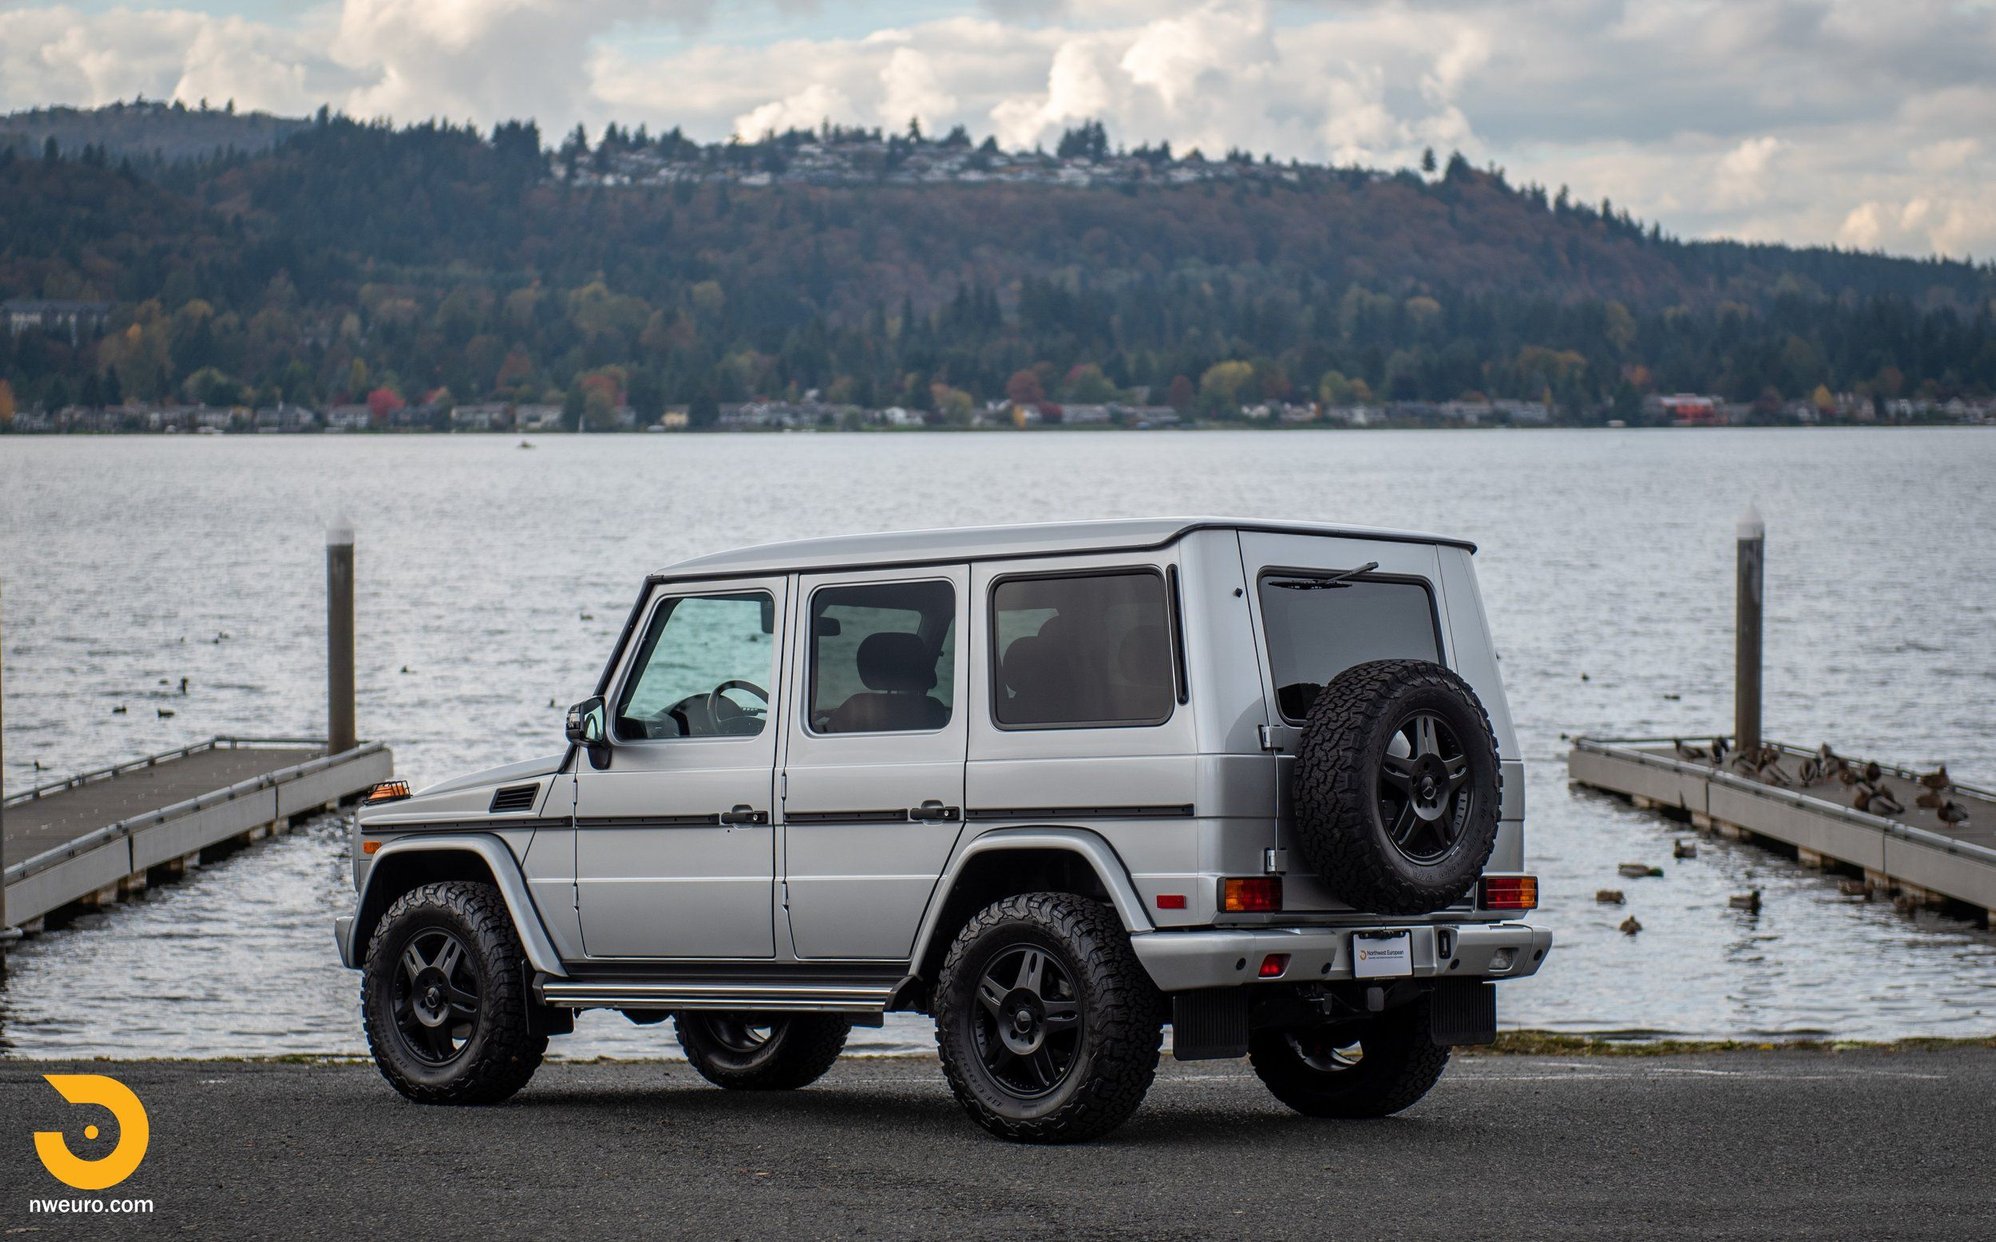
(704, 669)
(1319, 626)
(1083, 651)
(883, 657)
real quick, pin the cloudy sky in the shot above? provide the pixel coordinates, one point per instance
(1867, 123)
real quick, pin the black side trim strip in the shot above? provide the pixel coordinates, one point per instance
(463, 825)
(1183, 811)
(896, 816)
(649, 821)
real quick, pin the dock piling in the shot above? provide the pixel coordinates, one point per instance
(340, 735)
(1746, 674)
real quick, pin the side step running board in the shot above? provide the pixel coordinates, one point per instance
(867, 996)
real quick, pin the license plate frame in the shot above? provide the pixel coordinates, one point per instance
(1382, 954)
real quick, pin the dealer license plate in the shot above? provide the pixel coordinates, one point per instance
(1382, 955)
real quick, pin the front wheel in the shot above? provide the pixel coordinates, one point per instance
(1047, 1025)
(761, 1052)
(1370, 1069)
(443, 997)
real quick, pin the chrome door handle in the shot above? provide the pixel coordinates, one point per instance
(743, 813)
(934, 809)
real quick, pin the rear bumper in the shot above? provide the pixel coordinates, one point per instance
(1188, 960)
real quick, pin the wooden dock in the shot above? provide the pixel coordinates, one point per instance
(100, 836)
(1911, 852)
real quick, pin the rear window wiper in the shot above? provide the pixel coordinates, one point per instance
(1324, 584)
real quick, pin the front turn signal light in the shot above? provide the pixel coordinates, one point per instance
(1259, 894)
(1509, 892)
(387, 791)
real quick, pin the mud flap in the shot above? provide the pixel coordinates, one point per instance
(1210, 1024)
(1463, 1011)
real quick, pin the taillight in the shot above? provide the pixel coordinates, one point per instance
(1259, 894)
(1509, 892)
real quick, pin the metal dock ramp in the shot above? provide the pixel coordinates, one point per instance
(95, 837)
(1911, 850)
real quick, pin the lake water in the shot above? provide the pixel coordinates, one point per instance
(492, 582)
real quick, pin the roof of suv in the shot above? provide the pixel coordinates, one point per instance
(980, 543)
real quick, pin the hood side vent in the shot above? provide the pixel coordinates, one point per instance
(515, 798)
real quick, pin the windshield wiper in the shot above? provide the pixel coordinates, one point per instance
(1324, 584)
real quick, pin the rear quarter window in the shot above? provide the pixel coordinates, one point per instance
(1081, 651)
(1316, 631)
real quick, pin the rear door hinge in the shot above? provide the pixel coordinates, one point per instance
(1268, 739)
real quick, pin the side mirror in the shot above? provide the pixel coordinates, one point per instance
(585, 728)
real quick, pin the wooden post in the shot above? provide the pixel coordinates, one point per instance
(1746, 671)
(339, 638)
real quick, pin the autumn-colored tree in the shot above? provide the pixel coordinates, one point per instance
(382, 403)
(1024, 388)
(1181, 394)
(6, 403)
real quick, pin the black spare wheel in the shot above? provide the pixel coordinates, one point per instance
(1397, 787)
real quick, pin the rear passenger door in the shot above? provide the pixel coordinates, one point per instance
(873, 773)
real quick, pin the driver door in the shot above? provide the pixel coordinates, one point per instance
(675, 853)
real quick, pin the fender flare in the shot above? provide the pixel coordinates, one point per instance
(506, 877)
(1100, 856)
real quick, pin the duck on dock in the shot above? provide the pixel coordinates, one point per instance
(1748, 901)
(1609, 896)
(1629, 926)
(1952, 813)
(1937, 780)
(1639, 871)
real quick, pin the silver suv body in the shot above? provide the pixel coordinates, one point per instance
(814, 774)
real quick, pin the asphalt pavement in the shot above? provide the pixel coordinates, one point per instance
(1865, 1144)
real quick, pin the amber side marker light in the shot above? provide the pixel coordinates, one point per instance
(387, 791)
(368, 847)
(1260, 894)
(1509, 892)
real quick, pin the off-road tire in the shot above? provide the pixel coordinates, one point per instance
(798, 1051)
(1116, 1052)
(1339, 786)
(1400, 1064)
(503, 1050)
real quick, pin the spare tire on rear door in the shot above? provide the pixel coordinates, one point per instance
(1397, 787)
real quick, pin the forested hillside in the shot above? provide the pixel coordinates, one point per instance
(355, 258)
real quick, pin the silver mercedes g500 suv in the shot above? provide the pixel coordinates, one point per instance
(1057, 786)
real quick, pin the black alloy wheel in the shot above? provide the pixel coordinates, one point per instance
(1029, 1024)
(436, 997)
(1424, 793)
(1047, 1025)
(444, 997)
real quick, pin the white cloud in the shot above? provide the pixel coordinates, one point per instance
(1835, 121)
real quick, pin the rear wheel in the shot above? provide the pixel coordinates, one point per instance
(1047, 1026)
(761, 1051)
(1369, 1069)
(443, 997)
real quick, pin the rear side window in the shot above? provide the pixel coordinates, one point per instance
(1316, 631)
(882, 657)
(1085, 651)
